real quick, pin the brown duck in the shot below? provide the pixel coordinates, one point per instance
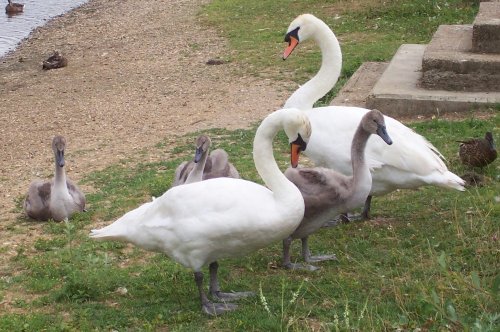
(54, 61)
(478, 152)
(13, 8)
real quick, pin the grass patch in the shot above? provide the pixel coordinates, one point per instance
(370, 30)
(428, 260)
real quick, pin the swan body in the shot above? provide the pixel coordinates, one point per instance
(58, 198)
(478, 152)
(13, 7)
(199, 223)
(328, 193)
(205, 166)
(409, 163)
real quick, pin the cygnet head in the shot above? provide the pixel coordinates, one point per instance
(301, 29)
(374, 123)
(203, 143)
(58, 146)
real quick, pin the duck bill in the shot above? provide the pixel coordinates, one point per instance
(294, 154)
(291, 46)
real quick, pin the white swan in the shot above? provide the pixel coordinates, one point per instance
(328, 193)
(409, 163)
(199, 223)
(58, 198)
(205, 166)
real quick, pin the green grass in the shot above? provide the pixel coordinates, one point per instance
(368, 30)
(429, 260)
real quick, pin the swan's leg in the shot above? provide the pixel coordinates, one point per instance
(215, 289)
(365, 215)
(286, 254)
(286, 258)
(306, 253)
(208, 307)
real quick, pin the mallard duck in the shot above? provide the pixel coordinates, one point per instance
(54, 61)
(13, 7)
(58, 198)
(478, 152)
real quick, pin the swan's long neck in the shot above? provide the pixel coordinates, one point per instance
(361, 172)
(196, 173)
(60, 178)
(264, 160)
(327, 76)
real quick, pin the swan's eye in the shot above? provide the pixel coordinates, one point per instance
(294, 33)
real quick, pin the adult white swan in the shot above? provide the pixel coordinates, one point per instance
(409, 163)
(199, 223)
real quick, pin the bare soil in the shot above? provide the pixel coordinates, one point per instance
(135, 76)
(137, 73)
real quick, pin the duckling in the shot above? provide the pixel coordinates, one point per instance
(58, 198)
(54, 61)
(13, 7)
(478, 152)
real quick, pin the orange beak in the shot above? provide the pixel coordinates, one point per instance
(291, 46)
(294, 152)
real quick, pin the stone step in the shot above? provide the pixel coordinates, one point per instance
(486, 31)
(355, 91)
(449, 63)
(398, 91)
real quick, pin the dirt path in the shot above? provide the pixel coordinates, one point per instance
(134, 77)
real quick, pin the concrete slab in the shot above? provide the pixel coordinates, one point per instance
(449, 63)
(355, 91)
(398, 91)
(486, 32)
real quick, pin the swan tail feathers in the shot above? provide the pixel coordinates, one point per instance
(453, 181)
(115, 231)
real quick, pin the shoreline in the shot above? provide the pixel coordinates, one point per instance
(133, 79)
(36, 16)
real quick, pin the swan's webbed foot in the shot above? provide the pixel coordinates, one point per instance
(233, 296)
(322, 258)
(215, 308)
(215, 291)
(332, 223)
(298, 266)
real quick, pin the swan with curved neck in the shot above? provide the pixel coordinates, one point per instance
(302, 28)
(328, 193)
(409, 163)
(58, 198)
(204, 165)
(199, 223)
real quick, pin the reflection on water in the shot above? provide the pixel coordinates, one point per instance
(14, 28)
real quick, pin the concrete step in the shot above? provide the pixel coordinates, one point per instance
(486, 31)
(355, 91)
(398, 91)
(449, 63)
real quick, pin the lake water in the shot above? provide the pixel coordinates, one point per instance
(36, 13)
